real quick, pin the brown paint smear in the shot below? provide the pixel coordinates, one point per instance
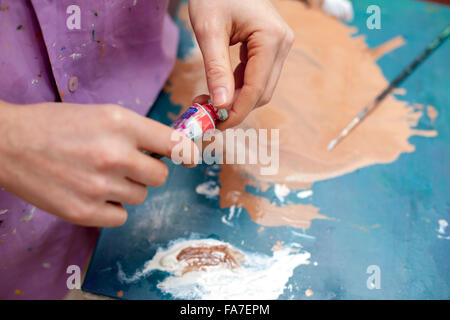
(327, 79)
(197, 258)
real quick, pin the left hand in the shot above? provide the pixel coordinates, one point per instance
(265, 42)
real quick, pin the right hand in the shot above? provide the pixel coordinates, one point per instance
(81, 162)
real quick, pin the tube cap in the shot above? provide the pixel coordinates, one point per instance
(222, 114)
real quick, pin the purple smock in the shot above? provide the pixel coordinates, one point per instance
(79, 51)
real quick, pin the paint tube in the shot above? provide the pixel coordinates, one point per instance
(199, 119)
(196, 121)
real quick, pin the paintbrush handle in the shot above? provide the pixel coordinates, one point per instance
(364, 112)
(431, 47)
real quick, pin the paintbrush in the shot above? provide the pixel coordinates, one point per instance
(363, 114)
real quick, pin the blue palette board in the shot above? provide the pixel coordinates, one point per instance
(404, 199)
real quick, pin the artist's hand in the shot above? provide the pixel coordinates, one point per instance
(266, 40)
(81, 162)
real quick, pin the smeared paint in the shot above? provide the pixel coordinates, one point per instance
(341, 9)
(309, 293)
(281, 191)
(29, 216)
(233, 212)
(19, 292)
(232, 275)
(387, 47)
(278, 245)
(304, 194)
(261, 210)
(325, 58)
(443, 224)
(432, 114)
(209, 189)
(75, 56)
(367, 228)
(4, 211)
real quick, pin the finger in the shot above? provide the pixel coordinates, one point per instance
(147, 170)
(243, 52)
(277, 69)
(108, 215)
(214, 45)
(128, 191)
(201, 99)
(261, 58)
(155, 137)
(239, 72)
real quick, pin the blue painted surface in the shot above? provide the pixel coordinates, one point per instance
(405, 198)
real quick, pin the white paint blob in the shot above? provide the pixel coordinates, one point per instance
(443, 224)
(304, 194)
(309, 293)
(259, 276)
(75, 56)
(209, 189)
(233, 212)
(281, 191)
(341, 9)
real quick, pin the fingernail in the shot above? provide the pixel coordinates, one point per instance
(219, 96)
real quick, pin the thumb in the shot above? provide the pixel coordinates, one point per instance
(219, 74)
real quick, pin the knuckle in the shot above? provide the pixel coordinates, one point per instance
(203, 28)
(98, 187)
(107, 159)
(289, 37)
(215, 69)
(116, 115)
(277, 32)
(265, 99)
(282, 35)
